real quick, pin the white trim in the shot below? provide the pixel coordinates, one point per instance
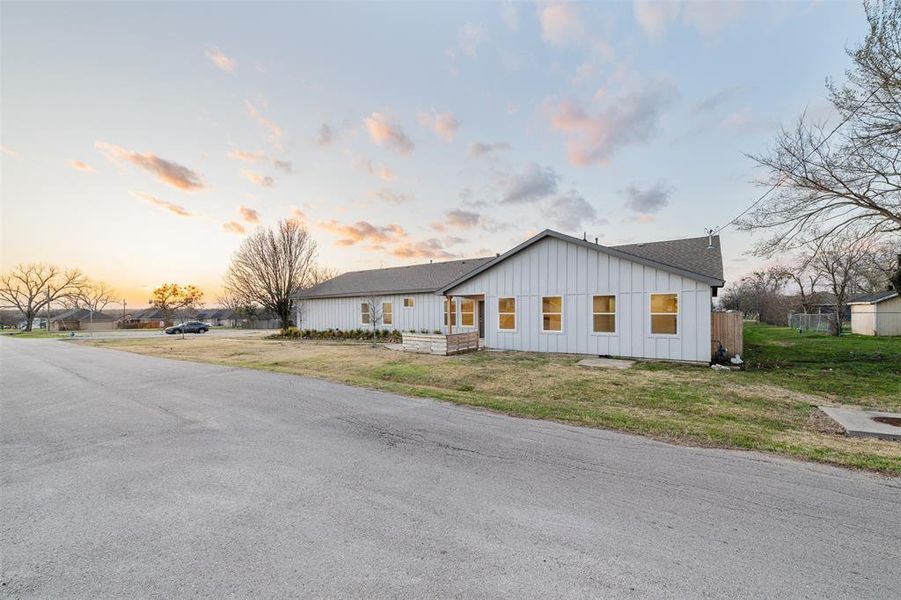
(591, 314)
(368, 314)
(541, 313)
(475, 308)
(403, 302)
(671, 336)
(391, 304)
(515, 314)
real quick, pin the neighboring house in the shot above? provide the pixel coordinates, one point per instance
(82, 319)
(218, 317)
(876, 314)
(552, 293)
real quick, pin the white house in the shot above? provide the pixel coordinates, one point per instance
(552, 293)
(876, 314)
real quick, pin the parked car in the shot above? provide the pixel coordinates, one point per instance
(189, 327)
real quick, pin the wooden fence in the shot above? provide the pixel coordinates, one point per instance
(726, 330)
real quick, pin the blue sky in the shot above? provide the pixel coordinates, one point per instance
(142, 141)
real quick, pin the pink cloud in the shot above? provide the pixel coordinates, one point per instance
(249, 215)
(9, 151)
(445, 125)
(275, 132)
(593, 139)
(80, 166)
(431, 248)
(257, 178)
(385, 130)
(170, 173)
(233, 227)
(561, 23)
(173, 208)
(246, 156)
(363, 231)
(220, 60)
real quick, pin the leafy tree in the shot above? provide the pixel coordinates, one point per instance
(33, 287)
(172, 297)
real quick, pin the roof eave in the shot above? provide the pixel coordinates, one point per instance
(301, 296)
(712, 281)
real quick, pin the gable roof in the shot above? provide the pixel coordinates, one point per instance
(684, 257)
(692, 254)
(425, 278)
(83, 314)
(873, 298)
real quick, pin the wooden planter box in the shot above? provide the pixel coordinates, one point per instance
(441, 344)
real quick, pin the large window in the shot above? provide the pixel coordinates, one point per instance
(364, 313)
(409, 302)
(468, 312)
(453, 313)
(506, 314)
(552, 313)
(664, 314)
(387, 314)
(603, 314)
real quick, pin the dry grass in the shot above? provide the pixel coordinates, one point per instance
(684, 404)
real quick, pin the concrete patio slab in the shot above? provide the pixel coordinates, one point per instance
(605, 363)
(862, 423)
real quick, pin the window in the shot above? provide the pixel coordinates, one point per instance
(409, 302)
(387, 315)
(603, 314)
(453, 315)
(552, 313)
(506, 314)
(468, 312)
(364, 313)
(664, 314)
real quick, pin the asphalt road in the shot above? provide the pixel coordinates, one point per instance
(129, 476)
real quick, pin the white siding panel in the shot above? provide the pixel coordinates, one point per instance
(555, 267)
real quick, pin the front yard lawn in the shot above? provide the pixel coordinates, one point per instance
(769, 407)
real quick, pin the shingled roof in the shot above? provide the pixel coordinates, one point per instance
(691, 257)
(873, 298)
(411, 279)
(691, 254)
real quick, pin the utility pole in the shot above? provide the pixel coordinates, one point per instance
(48, 311)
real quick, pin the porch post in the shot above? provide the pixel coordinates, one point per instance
(450, 319)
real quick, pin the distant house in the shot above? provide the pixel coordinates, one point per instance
(83, 319)
(218, 317)
(552, 293)
(876, 314)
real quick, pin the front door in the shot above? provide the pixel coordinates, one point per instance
(481, 318)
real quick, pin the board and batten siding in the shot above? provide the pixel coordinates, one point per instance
(346, 313)
(553, 267)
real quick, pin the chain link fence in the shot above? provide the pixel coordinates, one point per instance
(809, 322)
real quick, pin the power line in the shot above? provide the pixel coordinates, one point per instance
(714, 231)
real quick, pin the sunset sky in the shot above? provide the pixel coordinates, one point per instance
(141, 141)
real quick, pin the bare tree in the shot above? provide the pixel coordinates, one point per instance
(807, 280)
(880, 265)
(825, 185)
(760, 295)
(242, 308)
(33, 287)
(839, 261)
(376, 312)
(271, 266)
(95, 296)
